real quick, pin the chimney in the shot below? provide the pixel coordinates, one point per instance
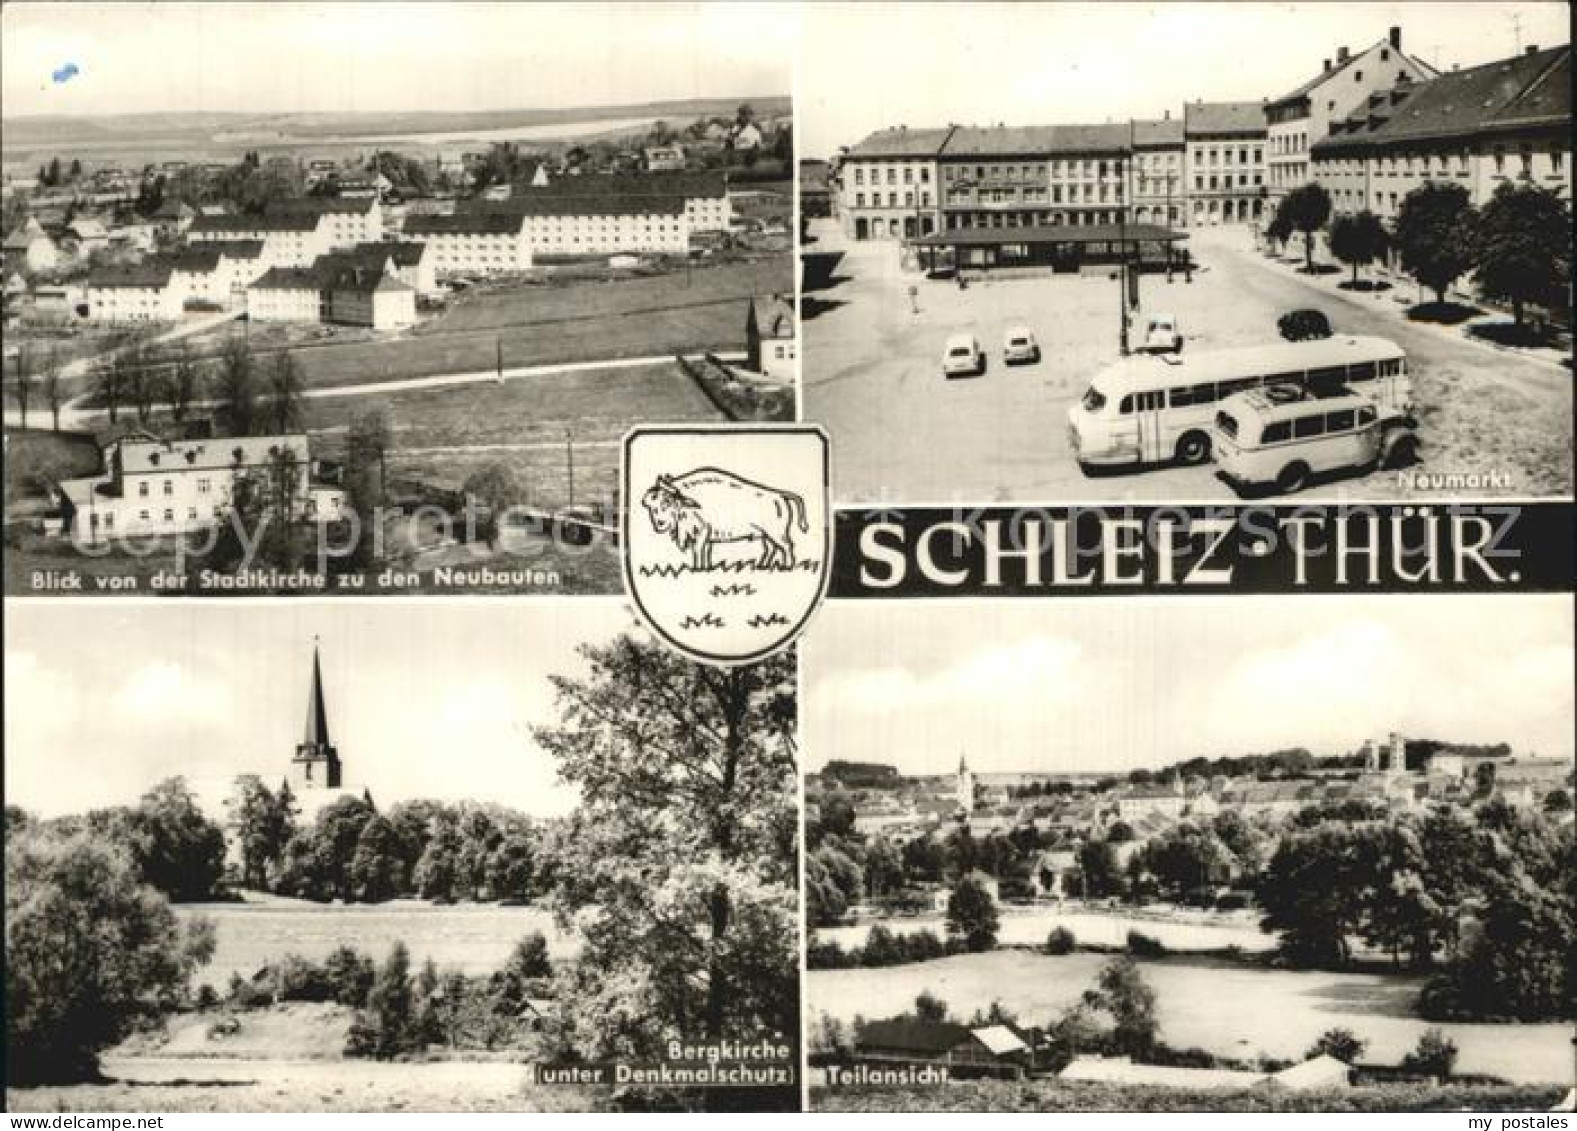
(1166, 116)
(1341, 54)
(1396, 38)
(1325, 66)
(1531, 49)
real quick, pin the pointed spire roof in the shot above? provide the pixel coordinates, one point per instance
(963, 767)
(317, 732)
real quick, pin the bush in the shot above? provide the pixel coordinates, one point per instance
(1141, 945)
(1435, 1055)
(1060, 941)
(91, 951)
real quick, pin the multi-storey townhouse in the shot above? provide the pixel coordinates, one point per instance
(148, 292)
(888, 186)
(1297, 121)
(1032, 176)
(1225, 167)
(1156, 173)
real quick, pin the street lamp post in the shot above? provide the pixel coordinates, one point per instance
(569, 458)
(1122, 266)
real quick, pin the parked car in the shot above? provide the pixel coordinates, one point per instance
(1304, 325)
(963, 356)
(1019, 344)
(1161, 335)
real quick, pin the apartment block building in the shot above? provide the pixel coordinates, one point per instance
(707, 207)
(602, 225)
(289, 238)
(1505, 122)
(1298, 120)
(144, 293)
(473, 241)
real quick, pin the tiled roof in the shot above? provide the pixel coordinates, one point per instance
(272, 222)
(1000, 1040)
(1224, 118)
(405, 253)
(911, 1035)
(1164, 131)
(547, 203)
(197, 257)
(237, 249)
(1013, 141)
(1121, 1070)
(288, 279)
(901, 142)
(322, 205)
(710, 184)
(1526, 91)
(471, 222)
(145, 456)
(150, 274)
(774, 316)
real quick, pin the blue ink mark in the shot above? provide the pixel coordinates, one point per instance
(66, 74)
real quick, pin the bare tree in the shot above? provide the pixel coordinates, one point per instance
(284, 393)
(54, 393)
(23, 384)
(370, 436)
(185, 383)
(108, 383)
(237, 388)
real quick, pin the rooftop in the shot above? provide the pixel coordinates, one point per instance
(1224, 118)
(1012, 141)
(1052, 233)
(773, 316)
(901, 142)
(1532, 90)
(471, 222)
(912, 1035)
(146, 456)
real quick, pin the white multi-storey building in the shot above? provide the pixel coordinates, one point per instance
(1506, 122)
(888, 186)
(1225, 169)
(1297, 121)
(152, 486)
(145, 293)
(603, 225)
(288, 239)
(473, 242)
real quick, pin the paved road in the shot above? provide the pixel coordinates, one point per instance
(902, 433)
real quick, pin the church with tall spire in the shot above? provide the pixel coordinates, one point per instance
(316, 764)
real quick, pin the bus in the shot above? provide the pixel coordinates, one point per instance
(1151, 410)
(1286, 436)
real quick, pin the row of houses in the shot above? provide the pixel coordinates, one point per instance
(1369, 126)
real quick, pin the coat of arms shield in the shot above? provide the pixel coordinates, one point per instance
(727, 535)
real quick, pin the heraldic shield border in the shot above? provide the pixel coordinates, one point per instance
(632, 511)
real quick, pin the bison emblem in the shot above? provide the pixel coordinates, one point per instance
(704, 507)
(728, 560)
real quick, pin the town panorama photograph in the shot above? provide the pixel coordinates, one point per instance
(1240, 854)
(361, 298)
(383, 856)
(1189, 252)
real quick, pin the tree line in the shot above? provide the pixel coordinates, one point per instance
(1517, 246)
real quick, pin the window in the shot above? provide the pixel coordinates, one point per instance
(169, 515)
(1341, 421)
(169, 487)
(142, 515)
(1306, 427)
(1362, 371)
(1277, 433)
(142, 489)
(908, 175)
(1366, 415)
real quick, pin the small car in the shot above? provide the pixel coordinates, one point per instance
(1161, 335)
(1019, 345)
(962, 356)
(1304, 325)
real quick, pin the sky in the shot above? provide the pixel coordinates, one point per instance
(288, 57)
(1112, 685)
(432, 700)
(870, 66)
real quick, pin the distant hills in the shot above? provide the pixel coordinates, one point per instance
(59, 133)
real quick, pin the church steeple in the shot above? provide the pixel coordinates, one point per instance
(316, 764)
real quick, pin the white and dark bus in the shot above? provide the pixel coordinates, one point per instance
(1149, 410)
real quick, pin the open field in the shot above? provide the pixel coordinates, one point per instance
(148, 1084)
(539, 325)
(472, 938)
(1227, 1008)
(450, 432)
(1051, 1095)
(872, 375)
(1029, 927)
